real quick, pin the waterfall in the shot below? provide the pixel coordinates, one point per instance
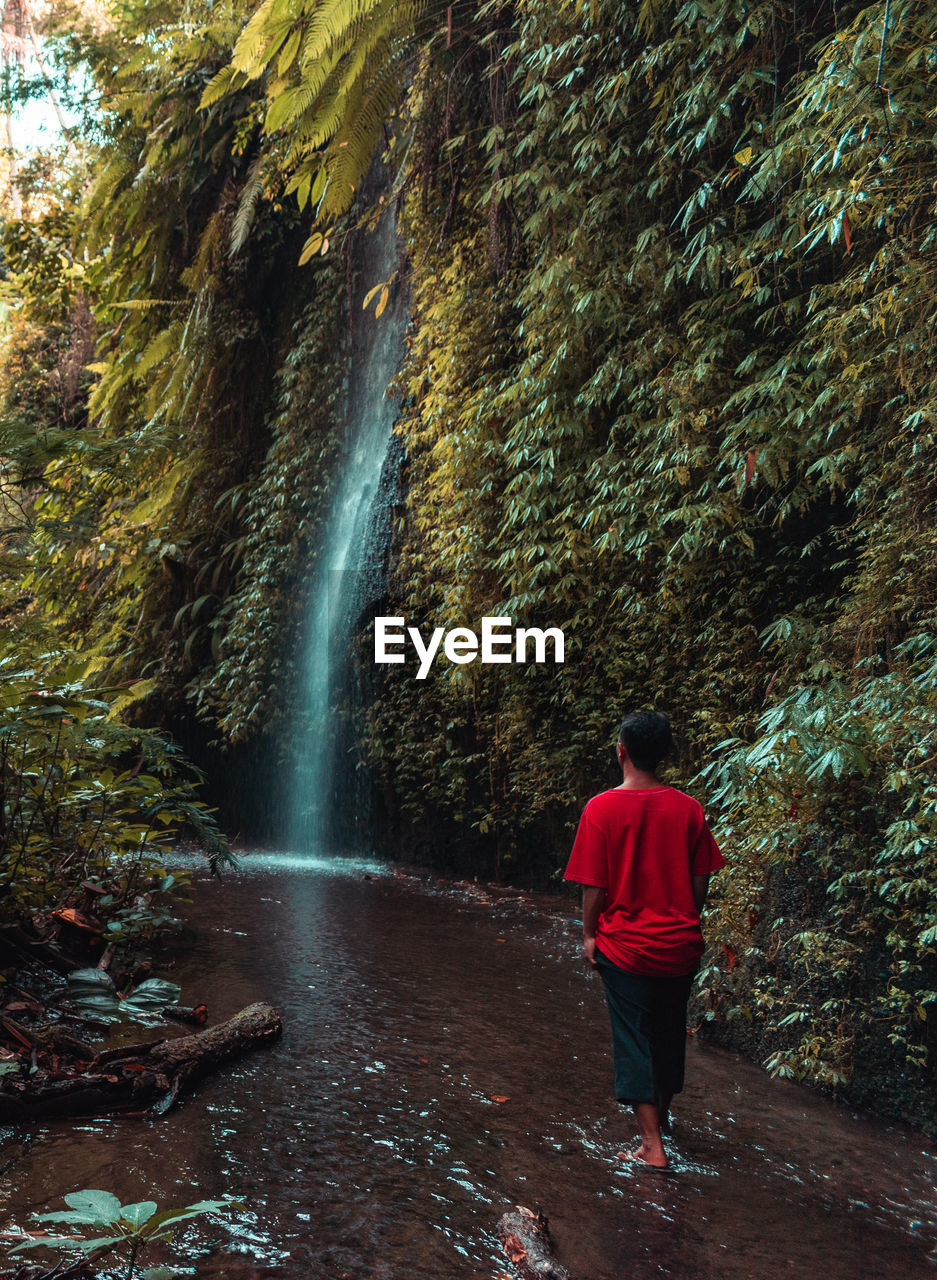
(351, 566)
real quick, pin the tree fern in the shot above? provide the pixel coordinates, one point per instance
(334, 71)
(374, 99)
(336, 24)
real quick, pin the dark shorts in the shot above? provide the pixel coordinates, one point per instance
(648, 1017)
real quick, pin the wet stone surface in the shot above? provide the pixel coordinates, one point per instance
(444, 1058)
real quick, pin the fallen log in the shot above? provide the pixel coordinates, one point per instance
(526, 1240)
(141, 1077)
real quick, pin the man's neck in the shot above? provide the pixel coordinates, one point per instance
(638, 779)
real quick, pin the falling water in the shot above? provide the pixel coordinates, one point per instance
(350, 570)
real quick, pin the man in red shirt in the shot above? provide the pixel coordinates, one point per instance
(643, 854)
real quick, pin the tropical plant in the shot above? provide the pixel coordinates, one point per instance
(85, 798)
(93, 993)
(333, 74)
(129, 1228)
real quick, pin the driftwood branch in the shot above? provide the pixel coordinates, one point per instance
(140, 1077)
(526, 1240)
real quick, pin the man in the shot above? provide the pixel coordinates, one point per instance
(643, 854)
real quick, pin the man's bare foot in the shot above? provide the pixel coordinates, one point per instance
(643, 1155)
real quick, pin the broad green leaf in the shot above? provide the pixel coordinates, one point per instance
(138, 1214)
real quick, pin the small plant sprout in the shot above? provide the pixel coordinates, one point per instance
(127, 1229)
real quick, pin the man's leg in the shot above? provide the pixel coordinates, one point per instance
(663, 1110)
(668, 1042)
(651, 1150)
(631, 1008)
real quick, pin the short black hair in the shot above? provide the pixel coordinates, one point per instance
(646, 737)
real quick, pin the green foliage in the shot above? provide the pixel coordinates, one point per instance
(129, 1228)
(248, 690)
(93, 993)
(673, 271)
(668, 387)
(150, 492)
(129, 555)
(838, 790)
(333, 73)
(47, 342)
(83, 797)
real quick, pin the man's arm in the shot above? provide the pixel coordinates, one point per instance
(700, 889)
(593, 901)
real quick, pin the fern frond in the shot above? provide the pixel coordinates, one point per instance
(351, 150)
(364, 53)
(161, 494)
(335, 70)
(139, 690)
(247, 204)
(118, 171)
(156, 350)
(220, 84)
(252, 52)
(144, 304)
(331, 25)
(211, 238)
(320, 125)
(289, 51)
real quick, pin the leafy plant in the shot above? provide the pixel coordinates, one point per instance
(332, 77)
(84, 797)
(129, 1228)
(835, 793)
(93, 992)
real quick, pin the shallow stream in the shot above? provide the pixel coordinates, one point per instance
(446, 1057)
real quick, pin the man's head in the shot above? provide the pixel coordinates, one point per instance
(646, 737)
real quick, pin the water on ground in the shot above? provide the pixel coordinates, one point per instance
(445, 1058)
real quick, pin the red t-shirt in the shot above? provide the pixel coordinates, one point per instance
(643, 847)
